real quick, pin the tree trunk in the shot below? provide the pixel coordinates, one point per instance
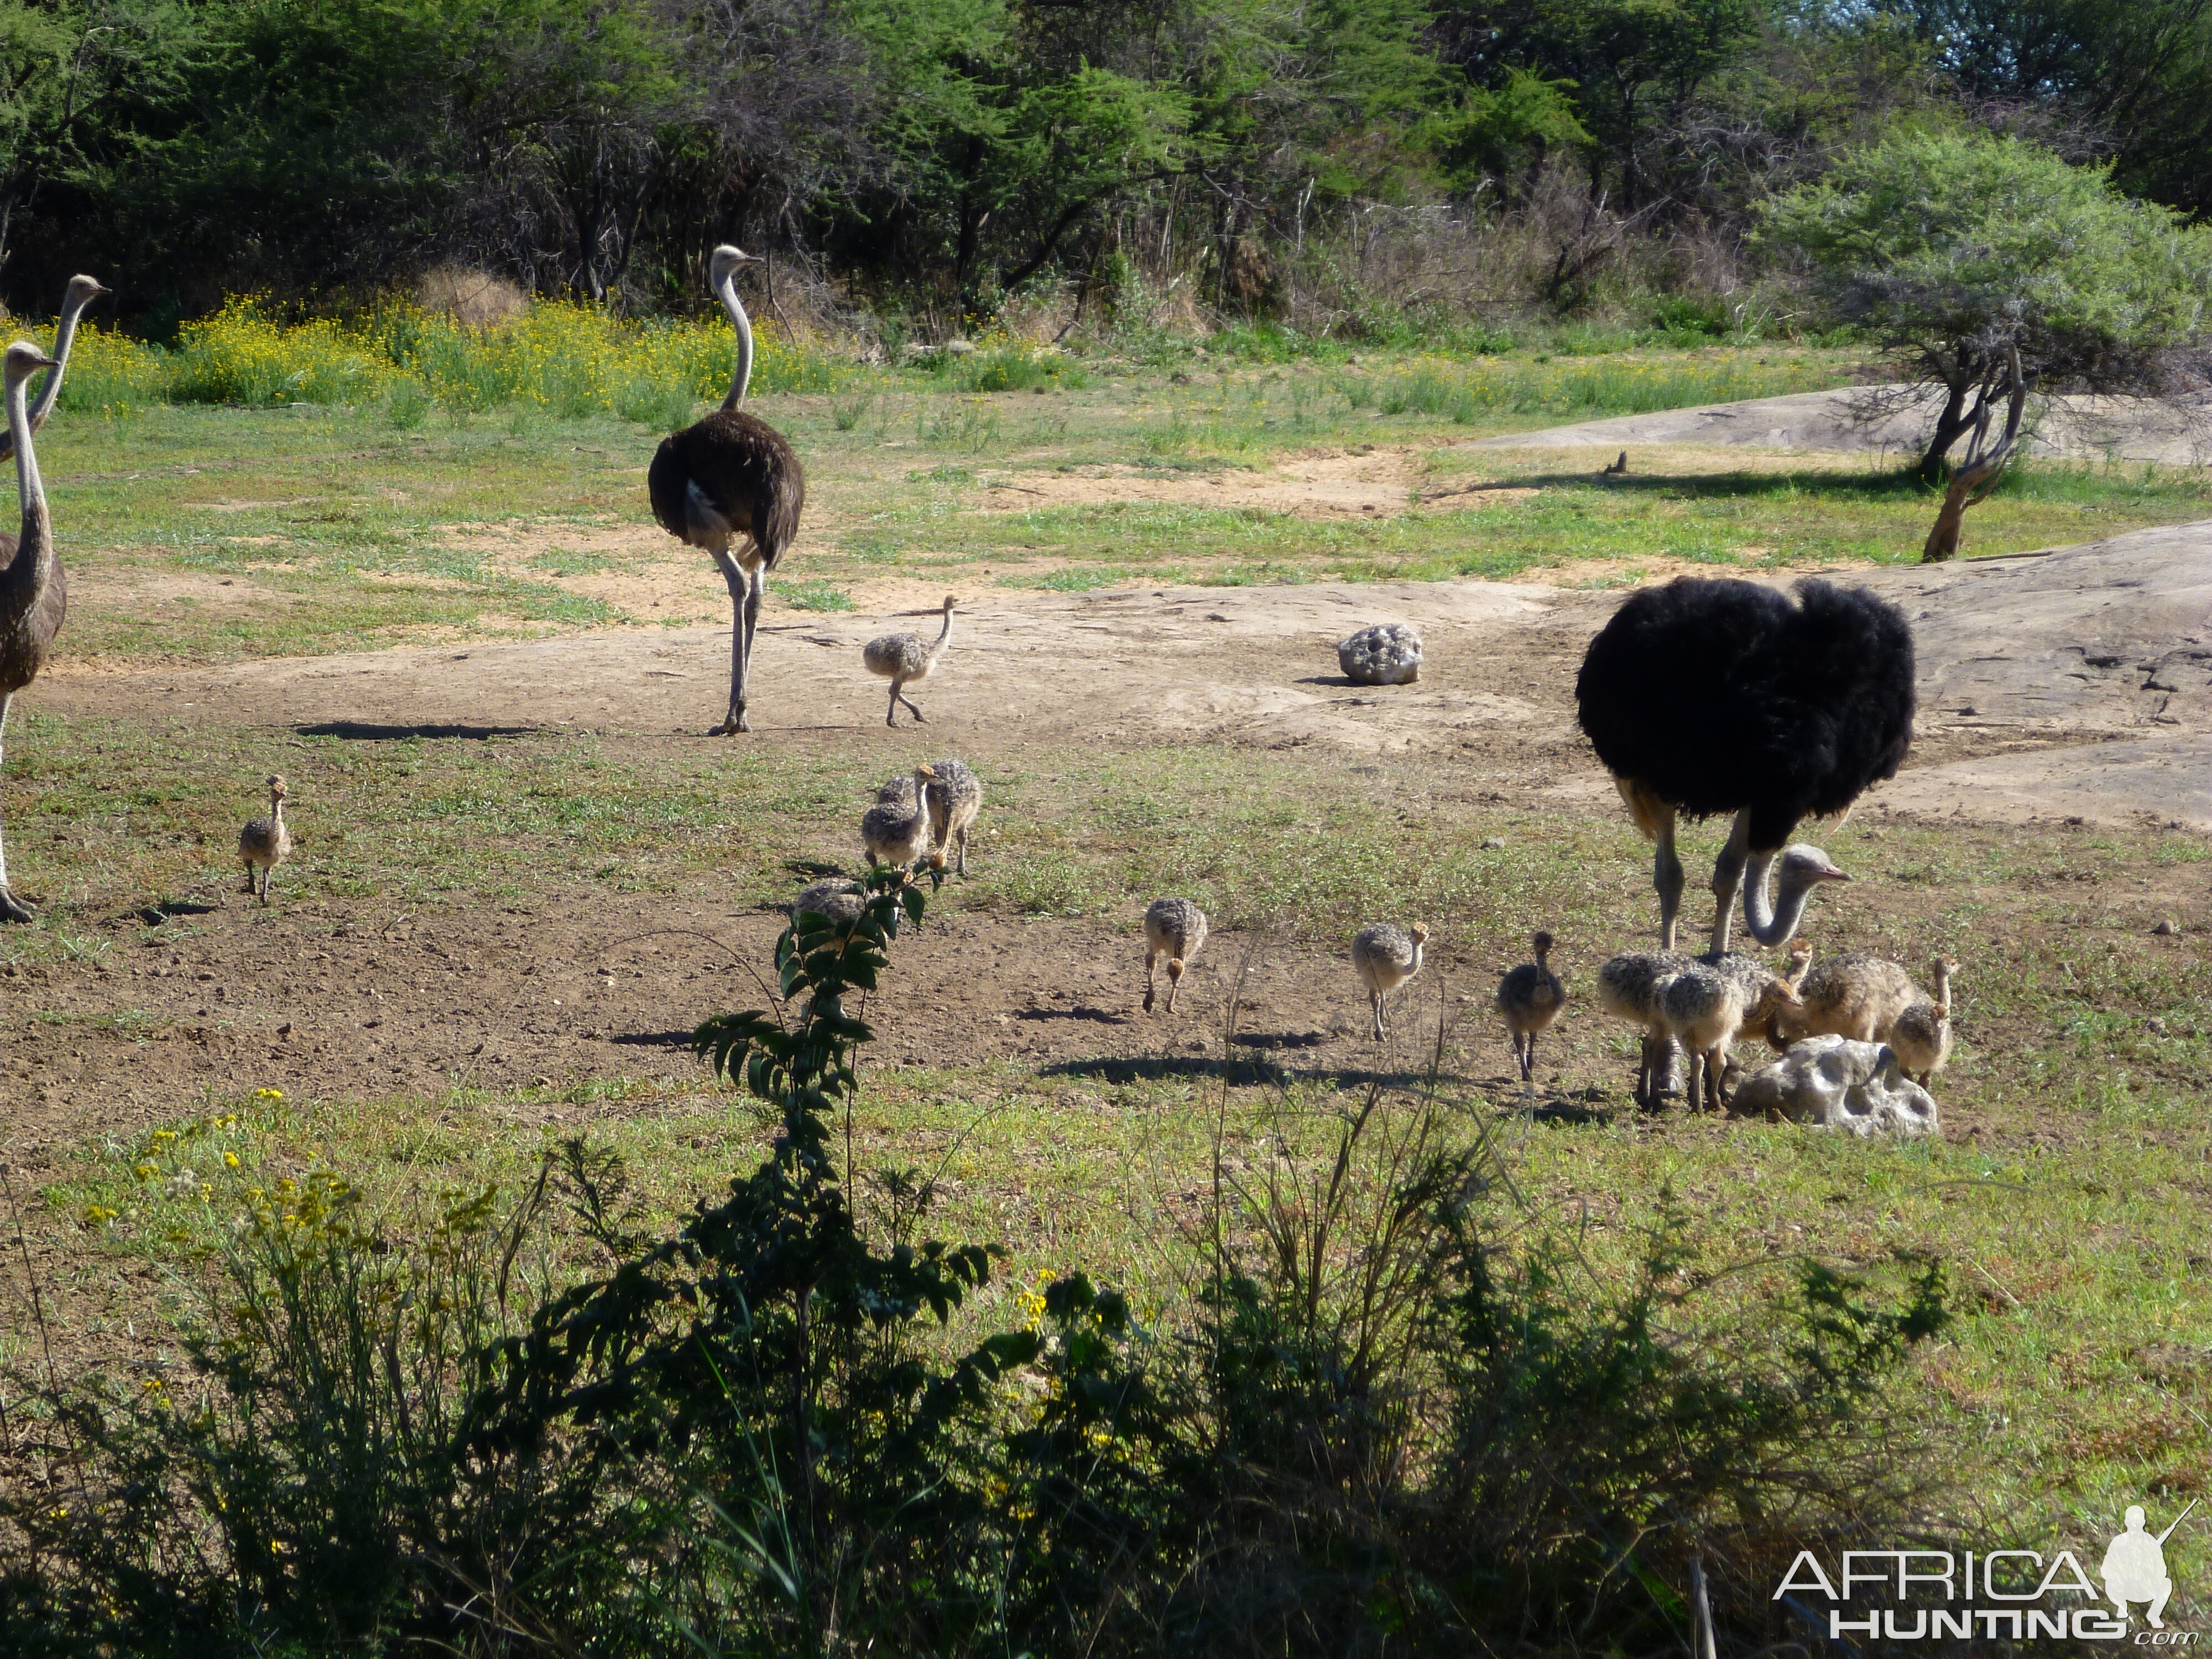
(1971, 481)
(1950, 425)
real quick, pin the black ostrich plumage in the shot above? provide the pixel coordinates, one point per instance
(743, 468)
(1719, 696)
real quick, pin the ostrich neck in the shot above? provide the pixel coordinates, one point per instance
(943, 634)
(26, 579)
(743, 325)
(51, 387)
(1770, 928)
(921, 797)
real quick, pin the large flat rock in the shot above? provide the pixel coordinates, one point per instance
(1893, 419)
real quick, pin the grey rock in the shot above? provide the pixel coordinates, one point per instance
(1834, 1082)
(1389, 654)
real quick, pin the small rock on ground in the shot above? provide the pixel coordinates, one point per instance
(1389, 654)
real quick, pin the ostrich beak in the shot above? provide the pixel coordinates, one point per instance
(43, 361)
(1833, 874)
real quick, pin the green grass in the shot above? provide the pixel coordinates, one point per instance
(2068, 1221)
(216, 533)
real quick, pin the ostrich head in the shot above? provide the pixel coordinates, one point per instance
(725, 261)
(1807, 865)
(1541, 942)
(1773, 997)
(277, 787)
(82, 292)
(25, 360)
(925, 770)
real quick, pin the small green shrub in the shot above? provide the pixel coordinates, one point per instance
(406, 406)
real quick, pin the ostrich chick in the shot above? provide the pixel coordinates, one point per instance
(1773, 1028)
(1386, 958)
(897, 832)
(1853, 995)
(1705, 1006)
(1629, 988)
(904, 658)
(1921, 1037)
(1530, 997)
(954, 801)
(1174, 928)
(265, 843)
(834, 900)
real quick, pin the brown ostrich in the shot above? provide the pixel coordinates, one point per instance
(33, 595)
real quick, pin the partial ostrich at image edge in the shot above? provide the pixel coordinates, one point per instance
(33, 592)
(81, 292)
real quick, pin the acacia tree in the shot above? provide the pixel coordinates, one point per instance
(1955, 249)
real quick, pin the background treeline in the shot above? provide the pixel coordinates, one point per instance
(1346, 163)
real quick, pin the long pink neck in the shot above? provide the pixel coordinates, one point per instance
(1770, 927)
(26, 580)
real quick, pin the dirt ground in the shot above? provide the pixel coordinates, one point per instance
(2075, 684)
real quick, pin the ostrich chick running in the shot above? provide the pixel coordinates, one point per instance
(1386, 958)
(1174, 928)
(265, 843)
(1530, 997)
(897, 832)
(902, 659)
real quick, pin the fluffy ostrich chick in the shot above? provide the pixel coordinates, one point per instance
(1705, 1006)
(1385, 958)
(1174, 928)
(1530, 998)
(265, 843)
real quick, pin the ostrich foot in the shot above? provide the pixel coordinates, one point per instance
(736, 723)
(13, 909)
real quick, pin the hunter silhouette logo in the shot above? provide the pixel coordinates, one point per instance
(2135, 1566)
(2011, 1594)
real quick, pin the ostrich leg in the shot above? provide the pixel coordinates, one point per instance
(1727, 880)
(753, 598)
(740, 587)
(11, 907)
(1666, 879)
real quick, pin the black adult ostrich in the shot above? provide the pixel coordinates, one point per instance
(1707, 696)
(731, 475)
